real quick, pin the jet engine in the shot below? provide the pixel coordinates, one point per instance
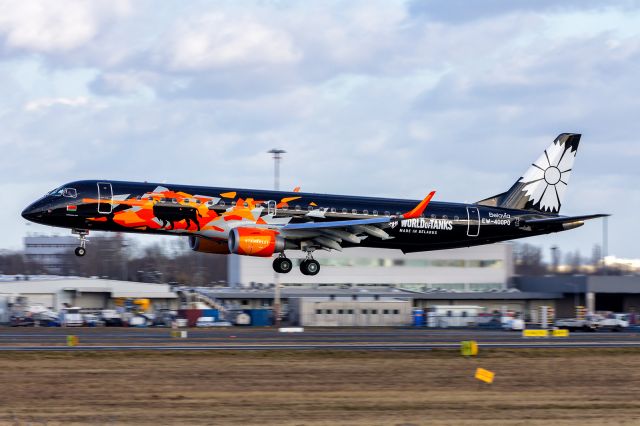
(256, 242)
(205, 245)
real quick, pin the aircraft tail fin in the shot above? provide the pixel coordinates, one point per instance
(543, 185)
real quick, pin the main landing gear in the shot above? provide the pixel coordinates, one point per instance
(282, 264)
(82, 236)
(309, 266)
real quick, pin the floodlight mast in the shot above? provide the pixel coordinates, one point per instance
(277, 156)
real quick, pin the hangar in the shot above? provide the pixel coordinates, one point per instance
(54, 292)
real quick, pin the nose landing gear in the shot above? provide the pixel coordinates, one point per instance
(82, 236)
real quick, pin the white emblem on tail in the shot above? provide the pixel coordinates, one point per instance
(547, 178)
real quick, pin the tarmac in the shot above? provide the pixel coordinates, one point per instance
(243, 339)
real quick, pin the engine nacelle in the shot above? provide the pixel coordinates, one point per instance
(255, 242)
(205, 245)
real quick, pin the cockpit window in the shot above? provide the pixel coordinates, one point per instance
(70, 192)
(64, 192)
(56, 192)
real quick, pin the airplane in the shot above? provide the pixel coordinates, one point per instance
(253, 222)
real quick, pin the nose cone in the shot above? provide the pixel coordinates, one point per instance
(34, 212)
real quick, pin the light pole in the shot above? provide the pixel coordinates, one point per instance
(277, 156)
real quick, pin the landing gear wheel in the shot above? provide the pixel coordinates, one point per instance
(309, 267)
(80, 251)
(282, 265)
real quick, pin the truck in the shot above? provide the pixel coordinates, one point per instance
(612, 322)
(572, 324)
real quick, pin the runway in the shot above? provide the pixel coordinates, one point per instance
(248, 339)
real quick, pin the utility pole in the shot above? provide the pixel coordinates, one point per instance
(277, 156)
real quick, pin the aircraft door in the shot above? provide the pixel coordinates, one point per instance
(473, 222)
(272, 207)
(105, 197)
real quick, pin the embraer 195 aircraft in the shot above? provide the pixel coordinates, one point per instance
(261, 223)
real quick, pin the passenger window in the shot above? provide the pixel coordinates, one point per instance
(445, 217)
(344, 210)
(310, 208)
(333, 209)
(139, 197)
(375, 212)
(365, 211)
(297, 208)
(354, 211)
(222, 203)
(433, 216)
(70, 192)
(456, 218)
(387, 213)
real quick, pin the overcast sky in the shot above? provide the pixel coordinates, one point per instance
(376, 98)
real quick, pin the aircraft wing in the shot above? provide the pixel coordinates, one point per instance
(332, 234)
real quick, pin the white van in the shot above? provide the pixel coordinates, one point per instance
(72, 317)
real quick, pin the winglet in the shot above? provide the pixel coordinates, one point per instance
(419, 209)
(296, 189)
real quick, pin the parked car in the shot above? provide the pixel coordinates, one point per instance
(211, 322)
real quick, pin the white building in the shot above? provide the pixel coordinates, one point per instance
(51, 252)
(88, 293)
(481, 268)
(347, 312)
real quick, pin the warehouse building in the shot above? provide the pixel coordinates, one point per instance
(471, 269)
(56, 292)
(347, 312)
(595, 292)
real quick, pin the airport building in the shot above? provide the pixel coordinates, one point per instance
(91, 294)
(50, 252)
(473, 269)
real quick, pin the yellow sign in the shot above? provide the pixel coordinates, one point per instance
(180, 334)
(560, 333)
(485, 375)
(469, 348)
(535, 333)
(72, 341)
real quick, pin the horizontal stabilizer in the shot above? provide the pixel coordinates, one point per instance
(564, 219)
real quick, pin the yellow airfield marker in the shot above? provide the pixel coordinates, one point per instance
(560, 333)
(535, 333)
(469, 348)
(484, 375)
(72, 341)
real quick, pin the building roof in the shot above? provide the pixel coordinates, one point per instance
(41, 284)
(286, 293)
(581, 284)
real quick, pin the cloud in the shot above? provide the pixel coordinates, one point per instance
(40, 104)
(220, 41)
(462, 11)
(39, 26)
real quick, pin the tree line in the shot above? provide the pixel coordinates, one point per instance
(120, 258)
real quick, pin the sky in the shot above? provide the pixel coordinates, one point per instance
(377, 98)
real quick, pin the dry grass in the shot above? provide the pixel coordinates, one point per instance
(538, 387)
